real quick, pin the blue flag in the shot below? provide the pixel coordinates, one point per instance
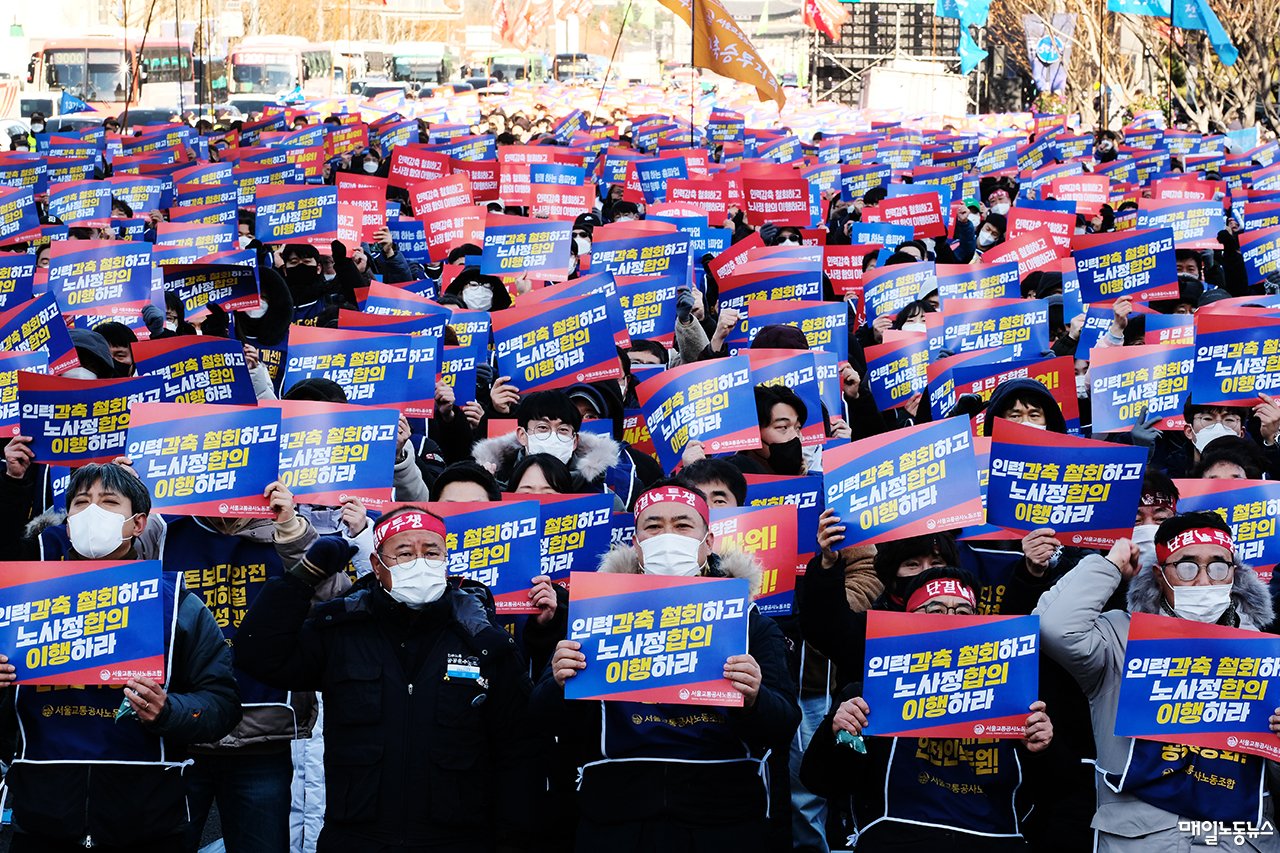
(71, 104)
(1196, 15)
(970, 53)
(1151, 8)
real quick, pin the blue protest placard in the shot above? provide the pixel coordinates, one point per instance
(38, 326)
(805, 494)
(206, 460)
(950, 676)
(904, 483)
(458, 371)
(576, 533)
(1087, 491)
(897, 369)
(767, 534)
(1228, 675)
(231, 286)
(373, 369)
(1236, 359)
(18, 219)
(291, 214)
(978, 281)
(75, 421)
(553, 344)
(649, 638)
(825, 324)
(496, 544)
(1130, 385)
(10, 364)
(516, 246)
(84, 621)
(1261, 251)
(712, 402)
(330, 453)
(649, 309)
(974, 324)
(643, 256)
(798, 371)
(1195, 224)
(100, 277)
(1126, 263)
(887, 290)
(17, 274)
(1251, 507)
(197, 369)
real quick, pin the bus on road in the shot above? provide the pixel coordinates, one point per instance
(421, 62)
(99, 70)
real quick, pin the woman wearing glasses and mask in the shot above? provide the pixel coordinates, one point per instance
(926, 794)
(1151, 794)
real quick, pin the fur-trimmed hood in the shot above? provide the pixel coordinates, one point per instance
(623, 560)
(1250, 599)
(592, 458)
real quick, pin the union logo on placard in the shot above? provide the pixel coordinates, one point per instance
(979, 728)
(684, 694)
(104, 674)
(223, 508)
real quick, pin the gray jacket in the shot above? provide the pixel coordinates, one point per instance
(1090, 644)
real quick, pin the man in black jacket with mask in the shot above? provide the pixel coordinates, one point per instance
(781, 414)
(427, 744)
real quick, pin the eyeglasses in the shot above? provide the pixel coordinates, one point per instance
(1205, 418)
(406, 557)
(944, 610)
(1189, 570)
(542, 429)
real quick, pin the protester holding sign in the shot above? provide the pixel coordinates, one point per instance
(95, 766)
(923, 793)
(419, 765)
(658, 775)
(1148, 792)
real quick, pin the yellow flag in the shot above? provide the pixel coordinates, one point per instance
(720, 45)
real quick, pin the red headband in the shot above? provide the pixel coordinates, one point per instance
(1194, 536)
(404, 521)
(674, 494)
(944, 586)
(1158, 499)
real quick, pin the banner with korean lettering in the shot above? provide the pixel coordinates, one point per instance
(1130, 385)
(197, 369)
(1033, 251)
(887, 290)
(978, 281)
(767, 534)
(1237, 358)
(941, 676)
(106, 278)
(975, 324)
(825, 324)
(18, 219)
(576, 533)
(649, 309)
(516, 246)
(805, 494)
(713, 402)
(984, 374)
(11, 363)
(1087, 491)
(649, 638)
(897, 369)
(1198, 685)
(496, 544)
(1251, 507)
(1126, 263)
(38, 325)
(66, 623)
(374, 369)
(231, 286)
(206, 460)
(1261, 252)
(639, 257)
(292, 214)
(904, 483)
(553, 344)
(17, 278)
(921, 212)
(780, 201)
(75, 421)
(1195, 224)
(330, 453)
(798, 371)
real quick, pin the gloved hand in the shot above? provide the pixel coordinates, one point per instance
(339, 251)
(1230, 242)
(1144, 433)
(327, 556)
(684, 306)
(768, 233)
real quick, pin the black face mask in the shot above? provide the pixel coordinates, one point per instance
(304, 283)
(786, 458)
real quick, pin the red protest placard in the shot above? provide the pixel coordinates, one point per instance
(446, 229)
(369, 194)
(921, 212)
(1059, 225)
(439, 194)
(411, 165)
(780, 201)
(1035, 251)
(711, 196)
(1089, 192)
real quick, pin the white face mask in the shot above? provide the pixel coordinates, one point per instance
(1201, 603)
(370, 167)
(79, 373)
(1000, 207)
(582, 245)
(812, 458)
(38, 127)
(914, 326)
(244, 240)
(551, 445)
(672, 554)
(477, 297)
(329, 276)
(419, 583)
(1209, 433)
(170, 326)
(1036, 426)
(259, 312)
(1082, 387)
(986, 239)
(1144, 536)
(96, 532)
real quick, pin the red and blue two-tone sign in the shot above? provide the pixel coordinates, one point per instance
(206, 460)
(767, 534)
(1235, 359)
(197, 369)
(711, 401)
(553, 344)
(331, 453)
(84, 622)
(950, 676)
(650, 638)
(75, 421)
(496, 544)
